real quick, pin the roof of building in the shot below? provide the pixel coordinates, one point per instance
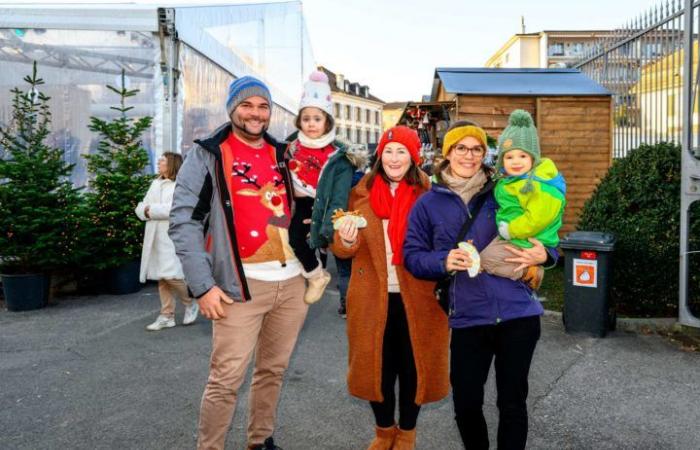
(395, 105)
(334, 86)
(525, 82)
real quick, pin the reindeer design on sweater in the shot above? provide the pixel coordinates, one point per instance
(271, 197)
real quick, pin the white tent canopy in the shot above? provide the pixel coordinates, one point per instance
(181, 58)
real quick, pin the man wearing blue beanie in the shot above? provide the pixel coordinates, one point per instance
(243, 90)
(229, 222)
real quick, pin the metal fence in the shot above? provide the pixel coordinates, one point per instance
(642, 63)
(651, 66)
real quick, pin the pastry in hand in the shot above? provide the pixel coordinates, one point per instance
(474, 255)
(340, 216)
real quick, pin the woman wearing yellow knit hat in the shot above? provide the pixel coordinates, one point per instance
(492, 318)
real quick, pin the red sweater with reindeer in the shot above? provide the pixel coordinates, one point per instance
(261, 211)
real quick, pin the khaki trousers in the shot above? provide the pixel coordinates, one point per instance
(168, 290)
(493, 260)
(269, 324)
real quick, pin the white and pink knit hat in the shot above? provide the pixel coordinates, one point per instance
(317, 93)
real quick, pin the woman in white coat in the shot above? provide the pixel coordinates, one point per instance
(158, 259)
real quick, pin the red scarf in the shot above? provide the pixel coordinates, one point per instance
(395, 208)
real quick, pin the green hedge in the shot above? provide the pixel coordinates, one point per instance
(639, 201)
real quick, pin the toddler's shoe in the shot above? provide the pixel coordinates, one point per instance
(317, 284)
(533, 277)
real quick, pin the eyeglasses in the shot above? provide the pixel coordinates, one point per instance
(462, 150)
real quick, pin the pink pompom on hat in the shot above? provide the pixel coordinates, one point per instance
(317, 93)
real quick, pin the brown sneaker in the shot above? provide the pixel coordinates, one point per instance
(533, 277)
(316, 286)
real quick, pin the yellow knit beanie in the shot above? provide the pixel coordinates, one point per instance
(457, 134)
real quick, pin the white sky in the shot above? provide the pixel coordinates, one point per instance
(394, 46)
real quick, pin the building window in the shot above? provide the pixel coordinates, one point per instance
(556, 49)
(367, 112)
(376, 117)
(336, 110)
(652, 50)
(367, 138)
(347, 112)
(358, 114)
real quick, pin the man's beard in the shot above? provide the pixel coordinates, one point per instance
(241, 127)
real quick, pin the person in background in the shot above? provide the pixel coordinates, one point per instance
(344, 266)
(158, 258)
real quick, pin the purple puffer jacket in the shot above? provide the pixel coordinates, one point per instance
(434, 223)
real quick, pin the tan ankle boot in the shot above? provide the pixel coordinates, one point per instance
(317, 285)
(384, 439)
(405, 440)
(533, 277)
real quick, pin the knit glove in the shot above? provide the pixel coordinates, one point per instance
(503, 230)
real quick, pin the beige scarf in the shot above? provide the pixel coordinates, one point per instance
(466, 188)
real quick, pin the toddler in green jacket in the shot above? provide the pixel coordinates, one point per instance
(530, 193)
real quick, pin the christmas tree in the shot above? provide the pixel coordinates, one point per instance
(118, 183)
(40, 210)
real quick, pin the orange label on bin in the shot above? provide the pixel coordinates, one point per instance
(585, 273)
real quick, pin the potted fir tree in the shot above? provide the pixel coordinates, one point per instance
(39, 207)
(118, 183)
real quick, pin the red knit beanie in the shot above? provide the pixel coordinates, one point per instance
(403, 135)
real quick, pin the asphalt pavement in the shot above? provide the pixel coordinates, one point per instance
(85, 374)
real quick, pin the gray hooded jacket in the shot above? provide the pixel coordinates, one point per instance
(201, 219)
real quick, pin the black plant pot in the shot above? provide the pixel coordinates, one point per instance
(92, 282)
(124, 279)
(26, 292)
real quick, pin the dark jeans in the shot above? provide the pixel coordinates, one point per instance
(344, 267)
(298, 231)
(512, 343)
(397, 362)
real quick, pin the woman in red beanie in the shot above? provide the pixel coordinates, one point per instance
(396, 330)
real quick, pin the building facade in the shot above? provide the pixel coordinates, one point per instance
(391, 114)
(545, 49)
(357, 113)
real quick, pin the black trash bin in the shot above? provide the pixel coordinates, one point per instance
(588, 265)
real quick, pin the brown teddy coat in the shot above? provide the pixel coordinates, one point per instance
(367, 309)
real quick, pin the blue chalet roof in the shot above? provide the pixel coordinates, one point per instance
(525, 82)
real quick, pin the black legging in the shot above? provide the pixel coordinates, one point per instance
(397, 362)
(298, 231)
(512, 344)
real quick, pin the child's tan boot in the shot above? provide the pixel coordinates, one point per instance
(316, 286)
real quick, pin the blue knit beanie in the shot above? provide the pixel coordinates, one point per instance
(243, 88)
